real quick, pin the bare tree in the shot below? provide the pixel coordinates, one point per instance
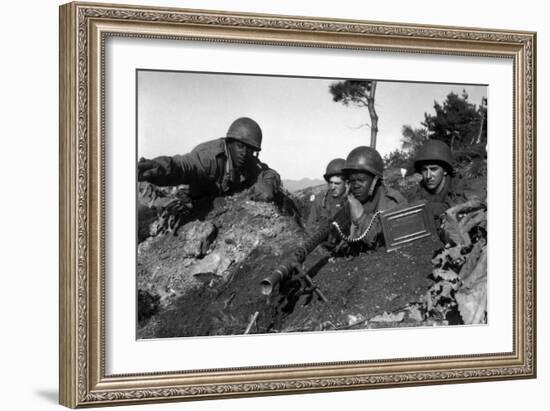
(482, 109)
(359, 93)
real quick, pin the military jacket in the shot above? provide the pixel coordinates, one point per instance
(453, 193)
(322, 209)
(209, 171)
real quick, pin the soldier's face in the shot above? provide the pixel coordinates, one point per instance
(240, 153)
(432, 176)
(359, 185)
(336, 186)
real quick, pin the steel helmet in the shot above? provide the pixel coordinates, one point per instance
(434, 151)
(246, 130)
(334, 168)
(365, 158)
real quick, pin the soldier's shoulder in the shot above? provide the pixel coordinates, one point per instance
(415, 192)
(395, 195)
(212, 147)
(469, 189)
(318, 198)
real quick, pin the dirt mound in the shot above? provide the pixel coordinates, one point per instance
(206, 279)
(205, 256)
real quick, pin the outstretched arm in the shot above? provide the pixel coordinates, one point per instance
(160, 171)
(176, 170)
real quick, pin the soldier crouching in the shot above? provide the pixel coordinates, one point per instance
(218, 167)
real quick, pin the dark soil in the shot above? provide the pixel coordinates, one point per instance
(356, 288)
(362, 287)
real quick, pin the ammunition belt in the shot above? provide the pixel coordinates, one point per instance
(350, 239)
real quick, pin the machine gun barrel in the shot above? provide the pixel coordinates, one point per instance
(286, 269)
(281, 273)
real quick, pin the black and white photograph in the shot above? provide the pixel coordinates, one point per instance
(259, 204)
(275, 204)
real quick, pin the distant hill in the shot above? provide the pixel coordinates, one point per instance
(297, 185)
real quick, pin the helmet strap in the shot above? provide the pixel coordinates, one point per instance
(443, 183)
(373, 185)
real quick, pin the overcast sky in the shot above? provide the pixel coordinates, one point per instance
(303, 129)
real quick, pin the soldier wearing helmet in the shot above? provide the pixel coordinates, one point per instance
(368, 195)
(323, 207)
(438, 187)
(217, 167)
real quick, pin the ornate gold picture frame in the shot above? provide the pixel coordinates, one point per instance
(85, 29)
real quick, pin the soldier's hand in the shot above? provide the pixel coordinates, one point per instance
(262, 192)
(144, 166)
(342, 248)
(356, 208)
(346, 192)
(149, 170)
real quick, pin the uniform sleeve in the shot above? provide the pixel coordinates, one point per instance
(196, 166)
(176, 170)
(159, 171)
